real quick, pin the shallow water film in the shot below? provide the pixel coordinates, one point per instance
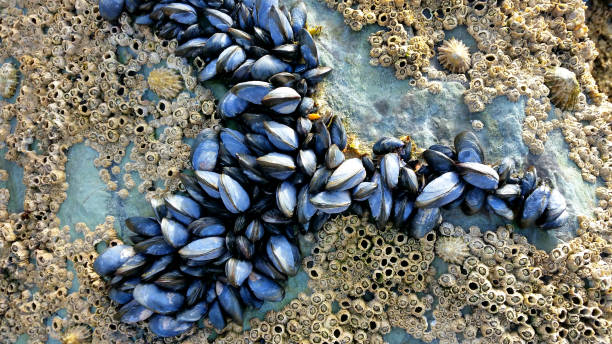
(271, 171)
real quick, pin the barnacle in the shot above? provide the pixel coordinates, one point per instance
(165, 82)
(8, 80)
(454, 55)
(80, 334)
(564, 88)
(452, 249)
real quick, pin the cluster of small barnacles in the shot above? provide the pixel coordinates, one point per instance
(517, 44)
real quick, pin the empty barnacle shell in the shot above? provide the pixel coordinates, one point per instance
(454, 55)
(564, 87)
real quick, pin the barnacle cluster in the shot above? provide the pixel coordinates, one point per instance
(503, 290)
(600, 31)
(517, 42)
(520, 294)
(79, 82)
(373, 275)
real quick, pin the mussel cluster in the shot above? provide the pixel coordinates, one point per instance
(280, 169)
